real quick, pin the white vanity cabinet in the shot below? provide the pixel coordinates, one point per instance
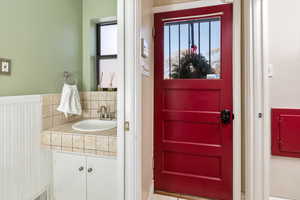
(69, 174)
(101, 179)
(84, 178)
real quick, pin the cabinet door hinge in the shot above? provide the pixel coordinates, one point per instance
(126, 126)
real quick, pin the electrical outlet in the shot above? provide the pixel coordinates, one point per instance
(5, 66)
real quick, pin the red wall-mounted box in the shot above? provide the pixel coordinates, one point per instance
(286, 132)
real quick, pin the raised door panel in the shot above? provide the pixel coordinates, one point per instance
(69, 172)
(286, 132)
(102, 179)
(290, 133)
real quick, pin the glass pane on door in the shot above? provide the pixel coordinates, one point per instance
(192, 49)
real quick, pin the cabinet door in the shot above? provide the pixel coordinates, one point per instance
(101, 179)
(69, 172)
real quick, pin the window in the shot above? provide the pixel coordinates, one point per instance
(106, 54)
(192, 49)
(107, 40)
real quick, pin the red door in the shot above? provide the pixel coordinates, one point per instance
(193, 102)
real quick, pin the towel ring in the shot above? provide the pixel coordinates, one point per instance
(68, 78)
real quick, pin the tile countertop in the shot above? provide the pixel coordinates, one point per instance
(65, 139)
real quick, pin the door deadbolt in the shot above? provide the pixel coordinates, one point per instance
(226, 116)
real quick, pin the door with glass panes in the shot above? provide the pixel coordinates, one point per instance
(193, 102)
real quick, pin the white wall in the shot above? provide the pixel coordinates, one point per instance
(284, 53)
(92, 10)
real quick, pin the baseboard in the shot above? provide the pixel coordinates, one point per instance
(151, 191)
(44, 189)
(151, 194)
(167, 195)
(271, 198)
(277, 198)
(243, 196)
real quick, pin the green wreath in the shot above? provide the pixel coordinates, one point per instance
(192, 65)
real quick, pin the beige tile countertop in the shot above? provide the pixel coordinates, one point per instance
(63, 138)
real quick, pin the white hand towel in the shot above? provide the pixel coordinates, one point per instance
(70, 101)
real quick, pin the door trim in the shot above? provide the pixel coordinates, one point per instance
(121, 153)
(190, 5)
(236, 79)
(132, 98)
(134, 12)
(257, 129)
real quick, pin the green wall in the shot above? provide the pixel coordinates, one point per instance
(43, 38)
(93, 9)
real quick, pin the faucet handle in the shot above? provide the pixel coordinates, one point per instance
(112, 115)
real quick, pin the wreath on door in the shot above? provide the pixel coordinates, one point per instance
(191, 65)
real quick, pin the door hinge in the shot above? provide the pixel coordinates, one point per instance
(153, 162)
(153, 32)
(126, 126)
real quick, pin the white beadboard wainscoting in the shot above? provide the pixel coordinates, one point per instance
(25, 169)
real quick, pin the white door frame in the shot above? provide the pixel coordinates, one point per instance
(121, 155)
(133, 95)
(131, 107)
(255, 86)
(257, 128)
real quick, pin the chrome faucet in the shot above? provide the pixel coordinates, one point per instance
(103, 112)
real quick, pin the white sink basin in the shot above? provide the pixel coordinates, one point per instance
(94, 125)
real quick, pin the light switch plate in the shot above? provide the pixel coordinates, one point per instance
(145, 48)
(270, 71)
(5, 66)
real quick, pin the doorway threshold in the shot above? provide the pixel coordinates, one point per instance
(180, 196)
